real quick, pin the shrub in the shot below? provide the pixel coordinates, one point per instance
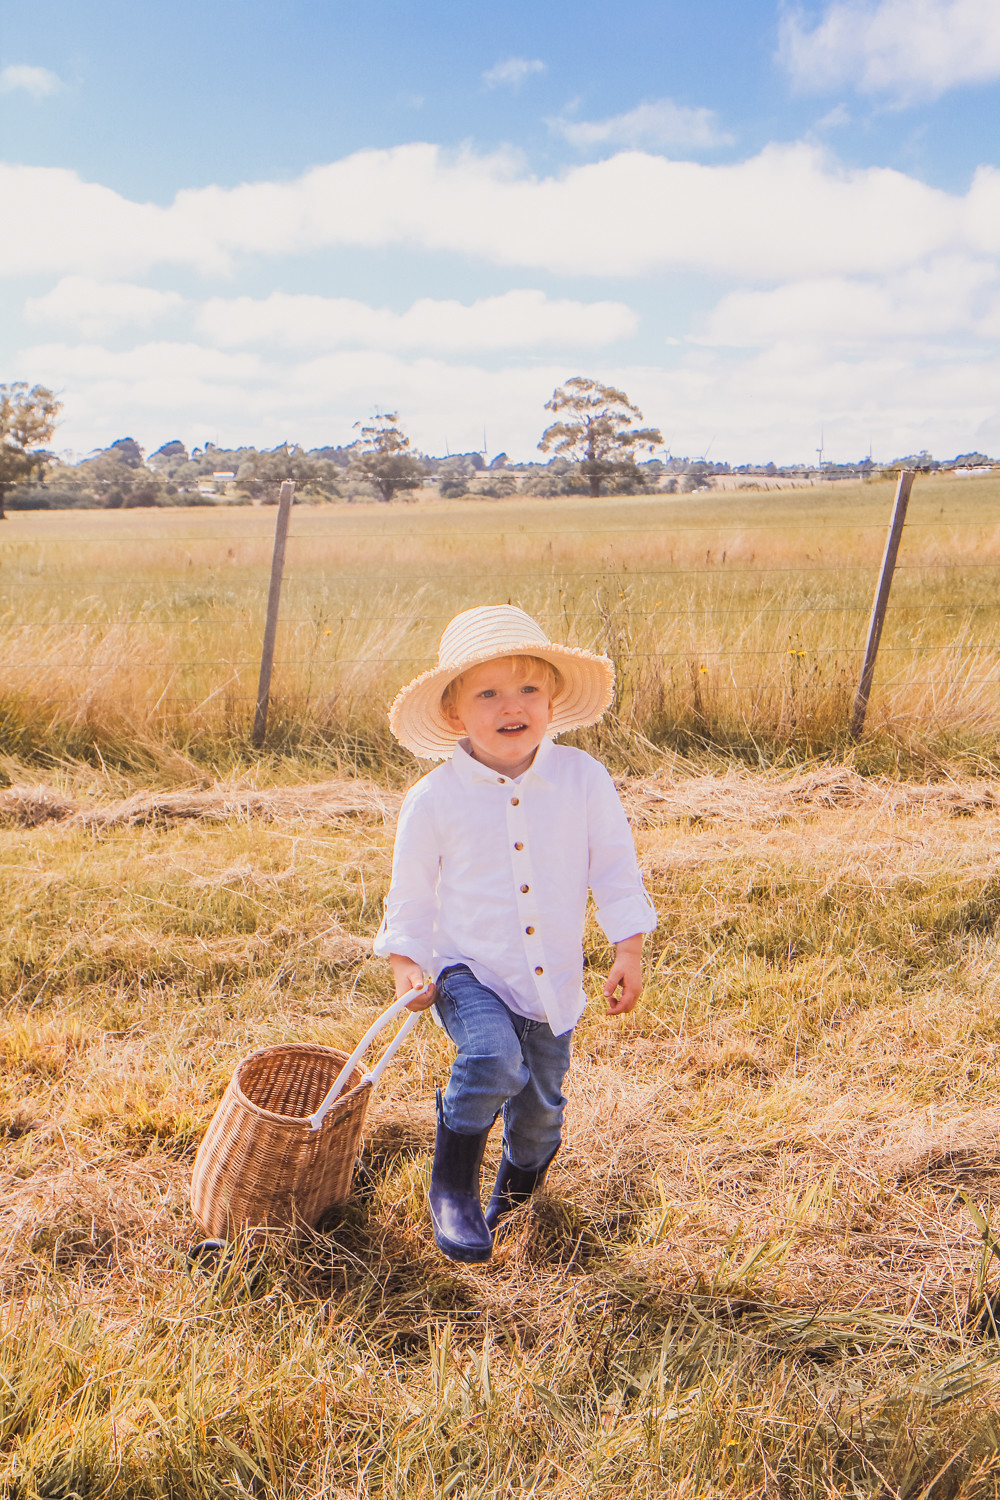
(497, 487)
(28, 497)
(627, 481)
(544, 483)
(143, 496)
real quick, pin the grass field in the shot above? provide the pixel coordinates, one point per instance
(754, 1273)
(736, 622)
(759, 1269)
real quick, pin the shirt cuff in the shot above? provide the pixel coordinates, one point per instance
(623, 919)
(418, 949)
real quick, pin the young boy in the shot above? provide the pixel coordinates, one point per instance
(494, 854)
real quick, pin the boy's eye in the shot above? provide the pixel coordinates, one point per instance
(529, 687)
(488, 693)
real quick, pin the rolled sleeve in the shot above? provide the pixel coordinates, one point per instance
(409, 920)
(623, 907)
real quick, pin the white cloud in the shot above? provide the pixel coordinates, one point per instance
(109, 233)
(660, 123)
(189, 389)
(94, 308)
(512, 72)
(790, 211)
(38, 82)
(909, 49)
(835, 118)
(863, 299)
(514, 320)
(954, 299)
(773, 403)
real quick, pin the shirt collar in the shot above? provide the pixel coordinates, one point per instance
(473, 770)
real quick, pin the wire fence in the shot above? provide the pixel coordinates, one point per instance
(717, 627)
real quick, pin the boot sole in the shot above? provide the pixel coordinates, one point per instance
(466, 1254)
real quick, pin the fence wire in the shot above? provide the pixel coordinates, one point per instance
(315, 640)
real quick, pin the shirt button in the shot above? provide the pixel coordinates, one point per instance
(518, 846)
(539, 970)
(502, 780)
(524, 890)
(529, 930)
(515, 801)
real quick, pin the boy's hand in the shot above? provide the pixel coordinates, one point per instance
(410, 976)
(626, 976)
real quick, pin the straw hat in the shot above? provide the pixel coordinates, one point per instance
(484, 634)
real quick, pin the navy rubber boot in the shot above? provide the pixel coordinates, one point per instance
(513, 1187)
(456, 1211)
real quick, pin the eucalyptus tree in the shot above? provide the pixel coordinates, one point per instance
(596, 429)
(27, 420)
(382, 456)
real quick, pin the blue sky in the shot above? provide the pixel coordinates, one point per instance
(252, 222)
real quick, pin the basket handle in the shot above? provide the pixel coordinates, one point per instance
(385, 1019)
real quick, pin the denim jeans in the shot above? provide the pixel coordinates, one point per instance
(504, 1062)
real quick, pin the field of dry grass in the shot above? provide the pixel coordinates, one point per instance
(754, 1273)
(736, 622)
(760, 1268)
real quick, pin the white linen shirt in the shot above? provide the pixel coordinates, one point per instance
(493, 873)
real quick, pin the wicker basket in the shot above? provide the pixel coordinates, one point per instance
(281, 1147)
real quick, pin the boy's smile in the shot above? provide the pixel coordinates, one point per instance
(504, 714)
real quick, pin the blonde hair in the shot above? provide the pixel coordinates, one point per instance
(523, 667)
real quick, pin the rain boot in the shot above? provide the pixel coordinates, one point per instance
(513, 1187)
(456, 1211)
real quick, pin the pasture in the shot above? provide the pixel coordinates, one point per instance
(759, 1268)
(736, 622)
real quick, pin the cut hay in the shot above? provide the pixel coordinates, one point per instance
(760, 799)
(755, 799)
(322, 802)
(31, 806)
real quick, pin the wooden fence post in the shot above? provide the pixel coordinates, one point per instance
(271, 623)
(881, 601)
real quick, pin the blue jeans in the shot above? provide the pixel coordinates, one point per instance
(504, 1062)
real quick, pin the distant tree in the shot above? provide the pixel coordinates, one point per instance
(596, 429)
(339, 457)
(168, 454)
(695, 477)
(27, 419)
(126, 451)
(455, 466)
(969, 461)
(117, 474)
(261, 474)
(382, 457)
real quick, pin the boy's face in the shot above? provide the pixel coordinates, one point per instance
(504, 715)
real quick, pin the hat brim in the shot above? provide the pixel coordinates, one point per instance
(418, 721)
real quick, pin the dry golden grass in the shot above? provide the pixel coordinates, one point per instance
(754, 1272)
(736, 623)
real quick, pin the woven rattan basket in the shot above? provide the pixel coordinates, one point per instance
(280, 1149)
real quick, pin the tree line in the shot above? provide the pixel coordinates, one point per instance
(595, 444)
